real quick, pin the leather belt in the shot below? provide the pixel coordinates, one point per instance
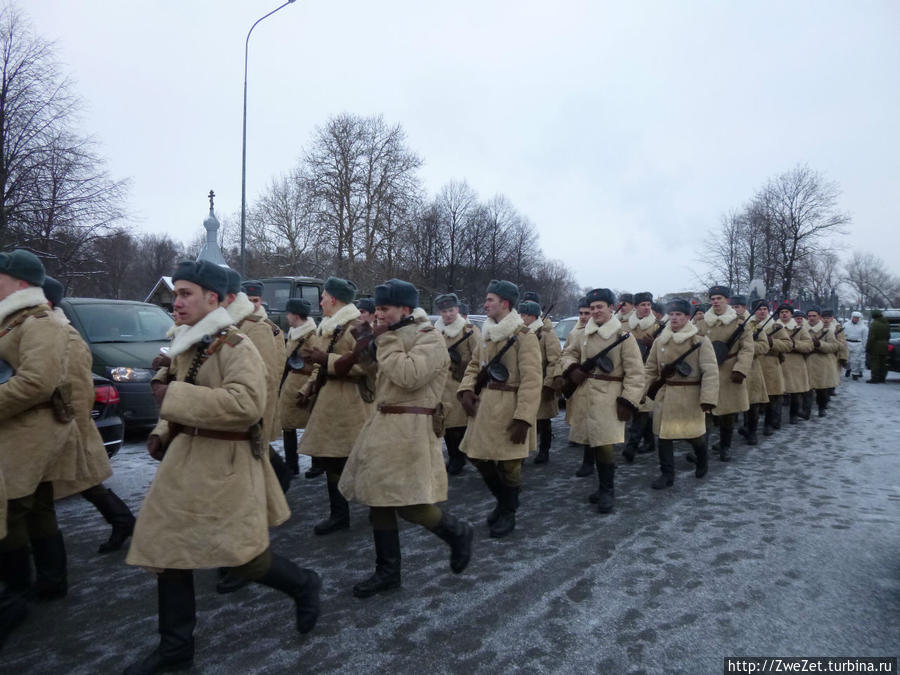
(682, 383)
(305, 370)
(730, 356)
(608, 378)
(500, 386)
(405, 410)
(211, 433)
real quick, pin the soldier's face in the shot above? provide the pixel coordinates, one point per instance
(529, 319)
(855, 319)
(295, 320)
(827, 320)
(719, 303)
(643, 309)
(761, 313)
(584, 313)
(785, 315)
(626, 307)
(740, 309)
(366, 315)
(813, 318)
(677, 321)
(495, 307)
(449, 315)
(9, 285)
(388, 315)
(327, 303)
(192, 302)
(256, 300)
(600, 312)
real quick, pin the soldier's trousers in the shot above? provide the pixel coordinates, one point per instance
(385, 517)
(509, 471)
(333, 467)
(857, 357)
(878, 366)
(30, 517)
(773, 411)
(604, 454)
(453, 437)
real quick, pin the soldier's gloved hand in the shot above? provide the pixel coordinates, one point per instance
(469, 402)
(518, 431)
(558, 383)
(159, 391)
(161, 361)
(343, 365)
(707, 407)
(155, 448)
(302, 400)
(844, 363)
(624, 409)
(577, 376)
(379, 328)
(548, 392)
(737, 377)
(314, 355)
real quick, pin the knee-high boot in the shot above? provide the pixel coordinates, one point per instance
(545, 438)
(290, 450)
(387, 565)
(339, 512)
(606, 474)
(587, 463)
(666, 450)
(115, 512)
(302, 585)
(458, 535)
(51, 578)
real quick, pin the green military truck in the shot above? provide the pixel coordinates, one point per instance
(278, 290)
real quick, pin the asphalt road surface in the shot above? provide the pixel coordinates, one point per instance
(792, 549)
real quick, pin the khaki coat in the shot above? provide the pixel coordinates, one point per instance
(779, 344)
(487, 436)
(733, 398)
(34, 446)
(2, 508)
(551, 351)
(820, 362)
(598, 422)
(678, 414)
(397, 459)
(796, 376)
(211, 502)
(340, 411)
(291, 415)
(269, 342)
(574, 402)
(756, 382)
(96, 468)
(843, 352)
(454, 415)
(643, 330)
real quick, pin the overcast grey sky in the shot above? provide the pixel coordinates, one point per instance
(623, 130)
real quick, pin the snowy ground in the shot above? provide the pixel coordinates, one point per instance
(792, 549)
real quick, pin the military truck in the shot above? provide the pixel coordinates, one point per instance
(278, 290)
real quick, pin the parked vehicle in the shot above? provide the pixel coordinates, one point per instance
(106, 414)
(564, 327)
(278, 290)
(124, 337)
(893, 359)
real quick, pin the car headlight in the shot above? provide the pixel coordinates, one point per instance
(124, 374)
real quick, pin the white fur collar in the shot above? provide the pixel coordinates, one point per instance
(60, 316)
(261, 312)
(240, 308)
(643, 324)
(535, 326)
(688, 331)
(498, 331)
(213, 322)
(712, 318)
(420, 315)
(790, 325)
(818, 327)
(605, 331)
(453, 329)
(302, 330)
(25, 297)
(330, 323)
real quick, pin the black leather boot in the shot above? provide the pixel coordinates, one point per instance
(314, 470)
(387, 565)
(506, 519)
(229, 582)
(13, 611)
(545, 439)
(282, 471)
(177, 618)
(456, 459)
(458, 535)
(666, 450)
(301, 584)
(51, 578)
(648, 440)
(290, 450)
(115, 512)
(587, 463)
(606, 479)
(752, 417)
(701, 465)
(724, 445)
(632, 438)
(822, 401)
(794, 410)
(15, 570)
(806, 399)
(339, 518)
(492, 480)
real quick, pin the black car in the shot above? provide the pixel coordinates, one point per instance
(893, 359)
(106, 414)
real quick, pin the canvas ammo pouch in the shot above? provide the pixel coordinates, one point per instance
(438, 420)
(61, 403)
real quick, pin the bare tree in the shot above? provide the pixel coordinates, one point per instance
(456, 206)
(870, 281)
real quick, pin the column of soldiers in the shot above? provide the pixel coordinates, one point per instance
(633, 373)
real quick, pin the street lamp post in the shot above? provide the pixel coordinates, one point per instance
(244, 145)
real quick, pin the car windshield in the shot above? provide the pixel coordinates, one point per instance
(276, 294)
(564, 327)
(123, 322)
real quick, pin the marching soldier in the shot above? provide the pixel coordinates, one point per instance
(530, 311)
(842, 355)
(39, 438)
(756, 382)
(405, 478)
(294, 376)
(605, 362)
(779, 343)
(682, 374)
(877, 347)
(214, 495)
(96, 469)
(461, 339)
(857, 336)
(793, 368)
(501, 391)
(643, 325)
(820, 363)
(733, 344)
(625, 308)
(572, 403)
(366, 308)
(659, 312)
(340, 393)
